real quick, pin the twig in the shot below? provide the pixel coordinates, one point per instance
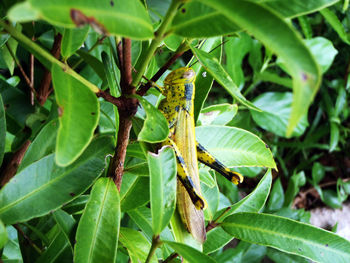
(155, 244)
(11, 168)
(32, 92)
(171, 257)
(313, 189)
(215, 223)
(125, 113)
(144, 88)
(98, 42)
(19, 66)
(44, 88)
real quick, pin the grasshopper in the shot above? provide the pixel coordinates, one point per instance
(177, 107)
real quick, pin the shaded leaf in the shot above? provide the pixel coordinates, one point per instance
(30, 193)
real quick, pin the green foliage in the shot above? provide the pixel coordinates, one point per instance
(261, 104)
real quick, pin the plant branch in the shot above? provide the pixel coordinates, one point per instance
(171, 257)
(215, 223)
(155, 244)
(46, 55)
(11, 168)
(19, 66)
(144, 88)
(128, 110)
(159, 36)
(44, 88)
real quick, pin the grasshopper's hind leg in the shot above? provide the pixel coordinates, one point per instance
(205, 157)
(183, 175)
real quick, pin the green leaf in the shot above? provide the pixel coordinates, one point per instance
(117, 17)
(93, 62)
(212, 65)
(235, 147)
(276, 199)
(3, 235)
(190, 254)
(333, 20)
(79, 114)
(318, 172)
(285, 42)
(219, 114)
(276, 109)
(211, 195)
(289, 236)
(43, 144)
(278, 256)
(155, 128)
(294, 8)
(134, 192)
(204, 82)
(112, 73)
(98, 229)
(294, 184)
(255, 201)
(2, 130)
(30, 193)
(193, 18)
(216, 239)
(136, 244)
(323, 50)
(66, 223)
(162, 168)
(236, 48)
(5, 52)
(72, 40)
(11, 250)
(23, 12)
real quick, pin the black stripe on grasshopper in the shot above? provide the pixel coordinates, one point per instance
(205, 157)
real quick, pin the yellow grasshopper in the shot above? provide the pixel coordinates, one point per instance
(177, 107)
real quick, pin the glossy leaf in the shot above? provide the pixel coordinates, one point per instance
(215, 69)
(236, 48)
(72, 40)
(155, 127)
(333, 20)
(204, 81)
(128, 19)
(282, 40)
(3, 235)
(294, 184)
(235, 147)
(296, 8)
(276, 109)
(216, 239)
(276, 198)
(193, 20)
(79, 114)
(2, 130)
(219, 114)
(198, 20)
(276, 256)
(323, 50)
(112, 73)
(98, 230)
(162, 167)
(136, 244)
(289, 236)
(189, 253)
(66, 223)
(255, 201)
(30, 193)
(134, 192)
(11, 250)
(43, 144)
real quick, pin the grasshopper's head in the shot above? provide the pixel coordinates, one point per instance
(182, 75)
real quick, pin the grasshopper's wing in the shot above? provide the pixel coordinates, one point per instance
(184, 137)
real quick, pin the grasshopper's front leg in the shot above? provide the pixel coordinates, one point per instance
(205, 157)
(183, 175)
